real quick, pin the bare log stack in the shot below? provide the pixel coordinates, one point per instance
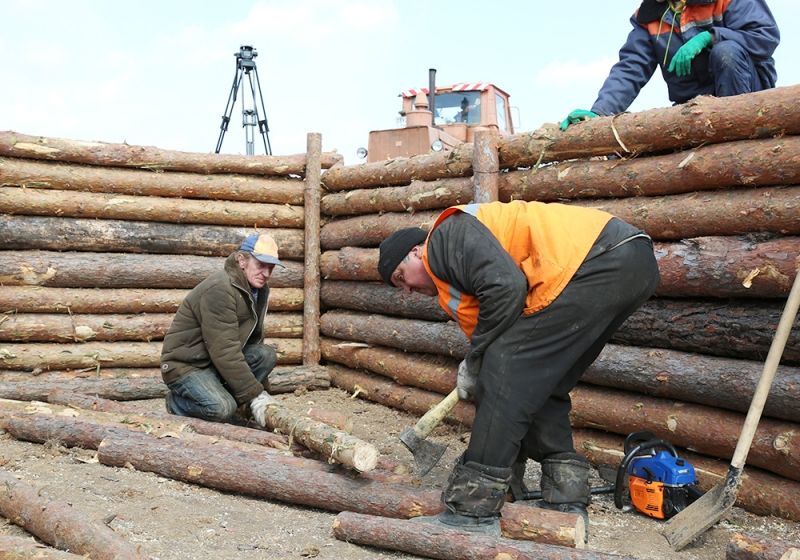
(716, 184)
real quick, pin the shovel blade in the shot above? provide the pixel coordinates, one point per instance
(703, 513)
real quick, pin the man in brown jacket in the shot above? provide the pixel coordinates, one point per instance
(213, 358)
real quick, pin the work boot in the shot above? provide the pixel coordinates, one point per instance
(517, 486)
(473, 498)
(565, 485)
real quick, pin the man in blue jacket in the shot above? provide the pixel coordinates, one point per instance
(704, 47)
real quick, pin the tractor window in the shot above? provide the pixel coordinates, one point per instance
(500, 104)
(458, 107)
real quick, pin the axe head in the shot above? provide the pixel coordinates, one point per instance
(426, 454)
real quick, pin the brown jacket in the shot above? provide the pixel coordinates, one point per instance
(213, 324)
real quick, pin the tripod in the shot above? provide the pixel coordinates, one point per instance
(245, 63)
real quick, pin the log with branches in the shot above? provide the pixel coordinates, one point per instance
(57, 233)
(60, 524)
(15, 144)
(58, 175)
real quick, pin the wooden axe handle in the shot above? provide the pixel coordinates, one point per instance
(435, 415)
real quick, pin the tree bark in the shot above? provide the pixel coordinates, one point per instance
(287, 379)
(33, 174)
(736, 329)
(761, 492)
(436, 541)
(728, 267)
(716, 382)
(43, 356)
(121, 270)
(350, 263)
(69, 375)
(388, 393)
(57, 233)
(711, 431)
(419, 195)
(703, 120)
(335, 445)
(405, 334)
(311, 274)
(15, 200)
(752, 547)
(426, 371)
(40, 299)
(733, 212)
(380, 298)
(371, 229)
(334, 418)
(120, 389)
(245, 473)
(59, 523)
(485, 166)
(747, 163)
(19, 548)
(14, 144)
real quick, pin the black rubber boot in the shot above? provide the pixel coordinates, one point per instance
(565, 485)
(473, 498)
(517, 486)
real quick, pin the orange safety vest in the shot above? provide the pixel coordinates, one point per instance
(547, 241)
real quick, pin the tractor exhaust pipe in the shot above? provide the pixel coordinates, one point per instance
(432, 94)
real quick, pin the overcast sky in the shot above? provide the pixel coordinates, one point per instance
(158, 72)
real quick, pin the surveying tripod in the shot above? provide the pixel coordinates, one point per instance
(245, 63)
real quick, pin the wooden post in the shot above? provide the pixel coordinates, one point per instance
(486, 166)
(312, 197)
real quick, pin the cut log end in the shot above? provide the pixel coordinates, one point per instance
(365, 457)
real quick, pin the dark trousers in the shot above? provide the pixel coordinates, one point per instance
(734, 71)
(203, 393)
(523, 388)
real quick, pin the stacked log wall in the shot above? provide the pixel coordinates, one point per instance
(100, 243)
(714, 182)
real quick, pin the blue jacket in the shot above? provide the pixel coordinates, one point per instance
(748, 22)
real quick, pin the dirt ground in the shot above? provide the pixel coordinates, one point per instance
(174, 520)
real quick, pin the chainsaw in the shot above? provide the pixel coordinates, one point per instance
(660, 483)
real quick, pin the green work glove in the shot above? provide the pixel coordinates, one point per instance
(681, 63)
(575, 116)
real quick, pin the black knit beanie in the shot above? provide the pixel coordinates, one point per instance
(395, 248)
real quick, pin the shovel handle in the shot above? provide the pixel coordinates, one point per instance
(767, 375)
(435, 415)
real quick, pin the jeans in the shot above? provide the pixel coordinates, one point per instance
(203, 393)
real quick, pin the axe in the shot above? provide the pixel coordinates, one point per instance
(427, 454)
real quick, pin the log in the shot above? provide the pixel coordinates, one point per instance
(47, 327)
(35, 356)
(371, 229)
(383, 391)
(108, 414)
(753, 547)
(56, 175)
(121, 270)
(121, 389)
(718, 382)
(57, 233)
(16, 200)
(703, 120)
(288, 379)
(18, 548)
(425, 371)
(243, 472)
(419, 195)
(381, 298)
(334, 418)
(761, 492)
(14, 144)
(69, 375)
(707, 430)
(728, 267)
(773, 161)
(311, 275)
(736, 329)
(40, 299)
(449, 544)
(335, 445)
(730, 212)
(350, 263)
(60, 524)
(406, 334)
(485, 166)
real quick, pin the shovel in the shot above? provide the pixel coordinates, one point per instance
(702, 514)
(426, 453)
